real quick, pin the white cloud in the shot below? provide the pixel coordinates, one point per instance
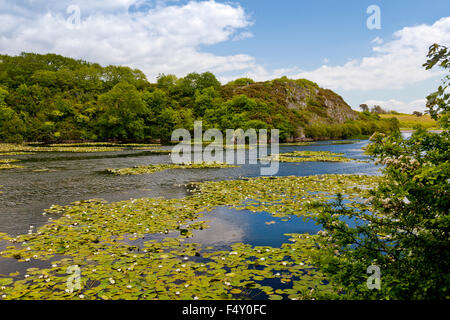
(243, 35)
(399, 106)
(164, 38)
(393, 65)
(377, 40)
(170, 36)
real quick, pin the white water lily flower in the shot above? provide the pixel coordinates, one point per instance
(233, 253)
(81, 296)
(112, 281)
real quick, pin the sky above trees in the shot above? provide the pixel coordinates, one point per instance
(327, 42)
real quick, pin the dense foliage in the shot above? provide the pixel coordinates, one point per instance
(54, 98)
(404, 229)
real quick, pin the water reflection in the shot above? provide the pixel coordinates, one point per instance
(228, 226)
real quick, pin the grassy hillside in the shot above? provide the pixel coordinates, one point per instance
(408, 121)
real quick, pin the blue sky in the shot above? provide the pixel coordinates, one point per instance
(293, 32)
(325, 41)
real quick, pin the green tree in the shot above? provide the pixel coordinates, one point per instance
(11, 126)
(156, 101)
(242, 103)
(166, 82)
(194, 81)
(170, 120)
(438, 102)
(241, 82)
(204, 100)
(123, 113)
(404, 227)
(364, 107)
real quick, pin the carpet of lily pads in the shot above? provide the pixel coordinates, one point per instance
(112, 245)
(7, 149)
(161, 167)
(16, 149)
(308, 156)
(9, 164)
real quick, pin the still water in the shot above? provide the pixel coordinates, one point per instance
(62, 178)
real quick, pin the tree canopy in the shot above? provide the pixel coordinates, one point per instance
(54, 98)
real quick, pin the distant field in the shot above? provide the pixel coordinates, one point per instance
(408, 121)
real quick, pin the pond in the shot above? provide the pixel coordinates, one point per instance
(55, 178)
(62, 178)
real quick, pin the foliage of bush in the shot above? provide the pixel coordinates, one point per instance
(404, 227)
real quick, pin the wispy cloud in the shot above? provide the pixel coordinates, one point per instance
(243, 35)
(377, 40)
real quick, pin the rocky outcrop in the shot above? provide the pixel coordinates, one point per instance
(301, 100)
